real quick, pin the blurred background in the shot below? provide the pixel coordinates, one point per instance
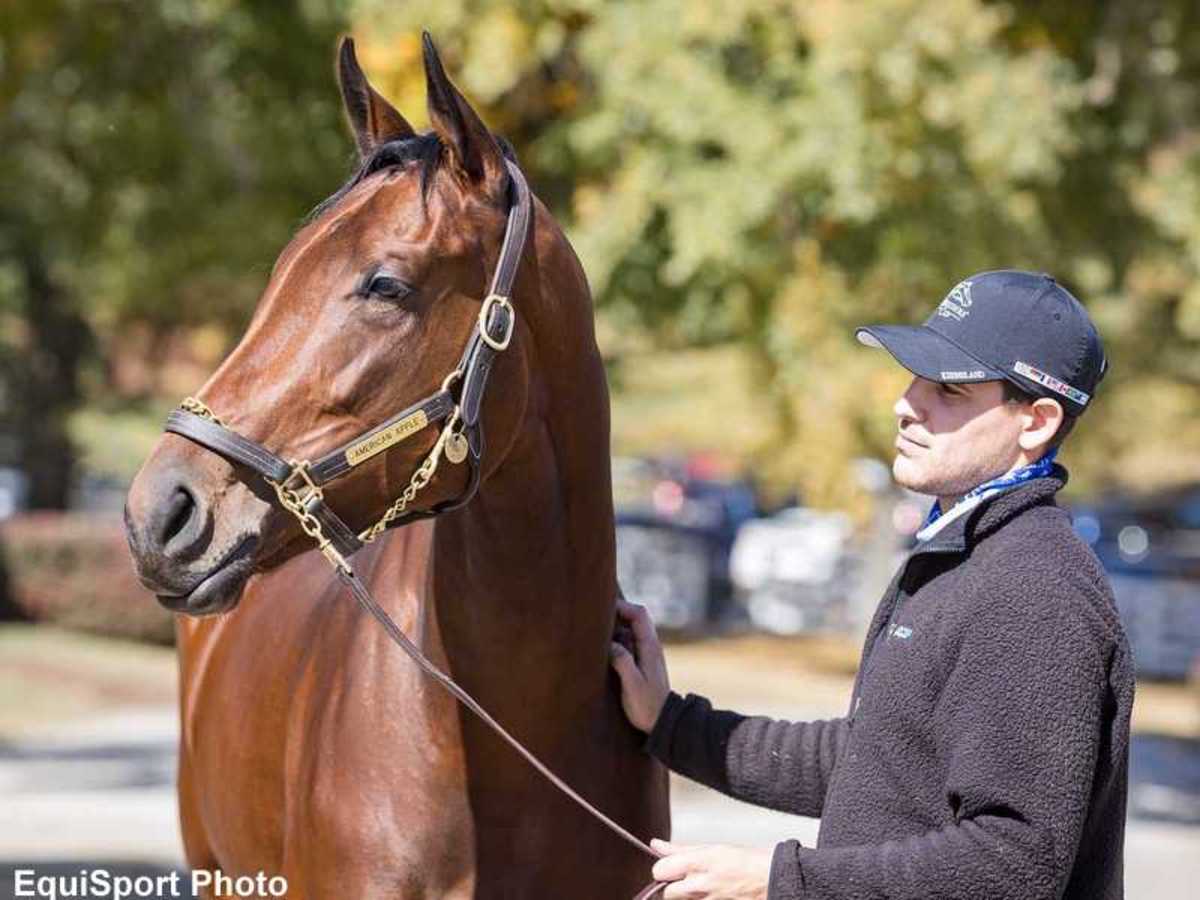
(745, 183)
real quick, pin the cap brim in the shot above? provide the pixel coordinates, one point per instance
(927, 354)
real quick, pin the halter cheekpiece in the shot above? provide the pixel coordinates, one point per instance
(457, 404)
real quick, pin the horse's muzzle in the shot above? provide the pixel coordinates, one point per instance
(169, 524)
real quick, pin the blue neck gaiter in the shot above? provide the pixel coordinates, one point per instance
(1038, 469)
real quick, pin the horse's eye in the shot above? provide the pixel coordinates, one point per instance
(388, 286)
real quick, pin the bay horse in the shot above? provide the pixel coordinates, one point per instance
(310, 747)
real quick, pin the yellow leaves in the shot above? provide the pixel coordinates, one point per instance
(1093, 273)
(1187, 315)
(850, 36)
(392, 62)
(564, 97)
(1138, 428)
(782, 170)
(498, 53)
(1168, 192)
(609, 221)
(803, 322)
(693, 400)
(486, 52)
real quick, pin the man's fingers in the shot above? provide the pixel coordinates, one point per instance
(623, 662)
(670, 868)
(681, 890)
(631, 611)
(642, 625)
(644, 633)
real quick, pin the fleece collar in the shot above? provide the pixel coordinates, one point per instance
(937, 521)
(992, 512)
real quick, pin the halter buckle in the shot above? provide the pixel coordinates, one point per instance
(484, 311)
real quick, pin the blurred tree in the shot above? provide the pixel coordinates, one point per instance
(156, 157)
(9, 611)
(773, 173)
(760, 176)
(1126, 220)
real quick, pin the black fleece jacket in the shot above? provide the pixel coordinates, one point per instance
(985, 754)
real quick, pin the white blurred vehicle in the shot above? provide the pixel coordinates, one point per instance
(14, 487)
(793, 571)
(675, 528)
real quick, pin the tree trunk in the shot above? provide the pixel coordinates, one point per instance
(9, 611)
(47, 386)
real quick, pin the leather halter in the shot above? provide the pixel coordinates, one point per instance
(490, 336)
(298, 484)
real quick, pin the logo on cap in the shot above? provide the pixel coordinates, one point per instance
(1049, 381)
(963, 375)
(957, 304)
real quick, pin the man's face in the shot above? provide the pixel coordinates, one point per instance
(953, 437)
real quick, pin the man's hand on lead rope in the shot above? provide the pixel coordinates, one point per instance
(712, 871)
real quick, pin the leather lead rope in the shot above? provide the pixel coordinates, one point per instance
(367, 602)
(298, 484)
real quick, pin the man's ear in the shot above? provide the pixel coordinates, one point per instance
(1040, 423)
(373, 120)
(475, 155)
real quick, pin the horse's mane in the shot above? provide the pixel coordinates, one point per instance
(423, 149)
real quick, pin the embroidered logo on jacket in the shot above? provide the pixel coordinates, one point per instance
(901, 632)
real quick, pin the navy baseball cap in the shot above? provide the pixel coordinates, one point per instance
(1023, 327)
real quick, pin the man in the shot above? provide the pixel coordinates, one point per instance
(985, 752)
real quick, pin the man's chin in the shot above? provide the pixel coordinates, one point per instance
(931, 480)
(917, 478)
(907, 474)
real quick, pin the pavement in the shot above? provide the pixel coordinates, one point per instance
(99, 788)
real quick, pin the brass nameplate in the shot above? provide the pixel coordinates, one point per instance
(393, 434)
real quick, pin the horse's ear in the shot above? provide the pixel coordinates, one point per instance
(474, 152)
(374, 120)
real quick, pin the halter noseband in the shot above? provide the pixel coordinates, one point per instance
(298, 483)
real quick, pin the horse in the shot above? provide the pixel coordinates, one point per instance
(309, 747)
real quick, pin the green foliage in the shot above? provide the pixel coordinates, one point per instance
(157, 157)
(744, 180)
(161, 153)
(770, 174)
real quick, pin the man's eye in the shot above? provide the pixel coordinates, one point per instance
(387, 286)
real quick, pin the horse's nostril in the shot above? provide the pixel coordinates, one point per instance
(180, 512)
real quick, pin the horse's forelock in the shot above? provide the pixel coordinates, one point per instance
(424, 149)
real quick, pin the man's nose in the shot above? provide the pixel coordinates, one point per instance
(905, 408)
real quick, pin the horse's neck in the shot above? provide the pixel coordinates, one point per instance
(524, 579)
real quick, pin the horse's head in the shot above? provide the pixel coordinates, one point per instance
(366, 312)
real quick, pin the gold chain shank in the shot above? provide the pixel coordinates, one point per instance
(192, 405)
(419, 480)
